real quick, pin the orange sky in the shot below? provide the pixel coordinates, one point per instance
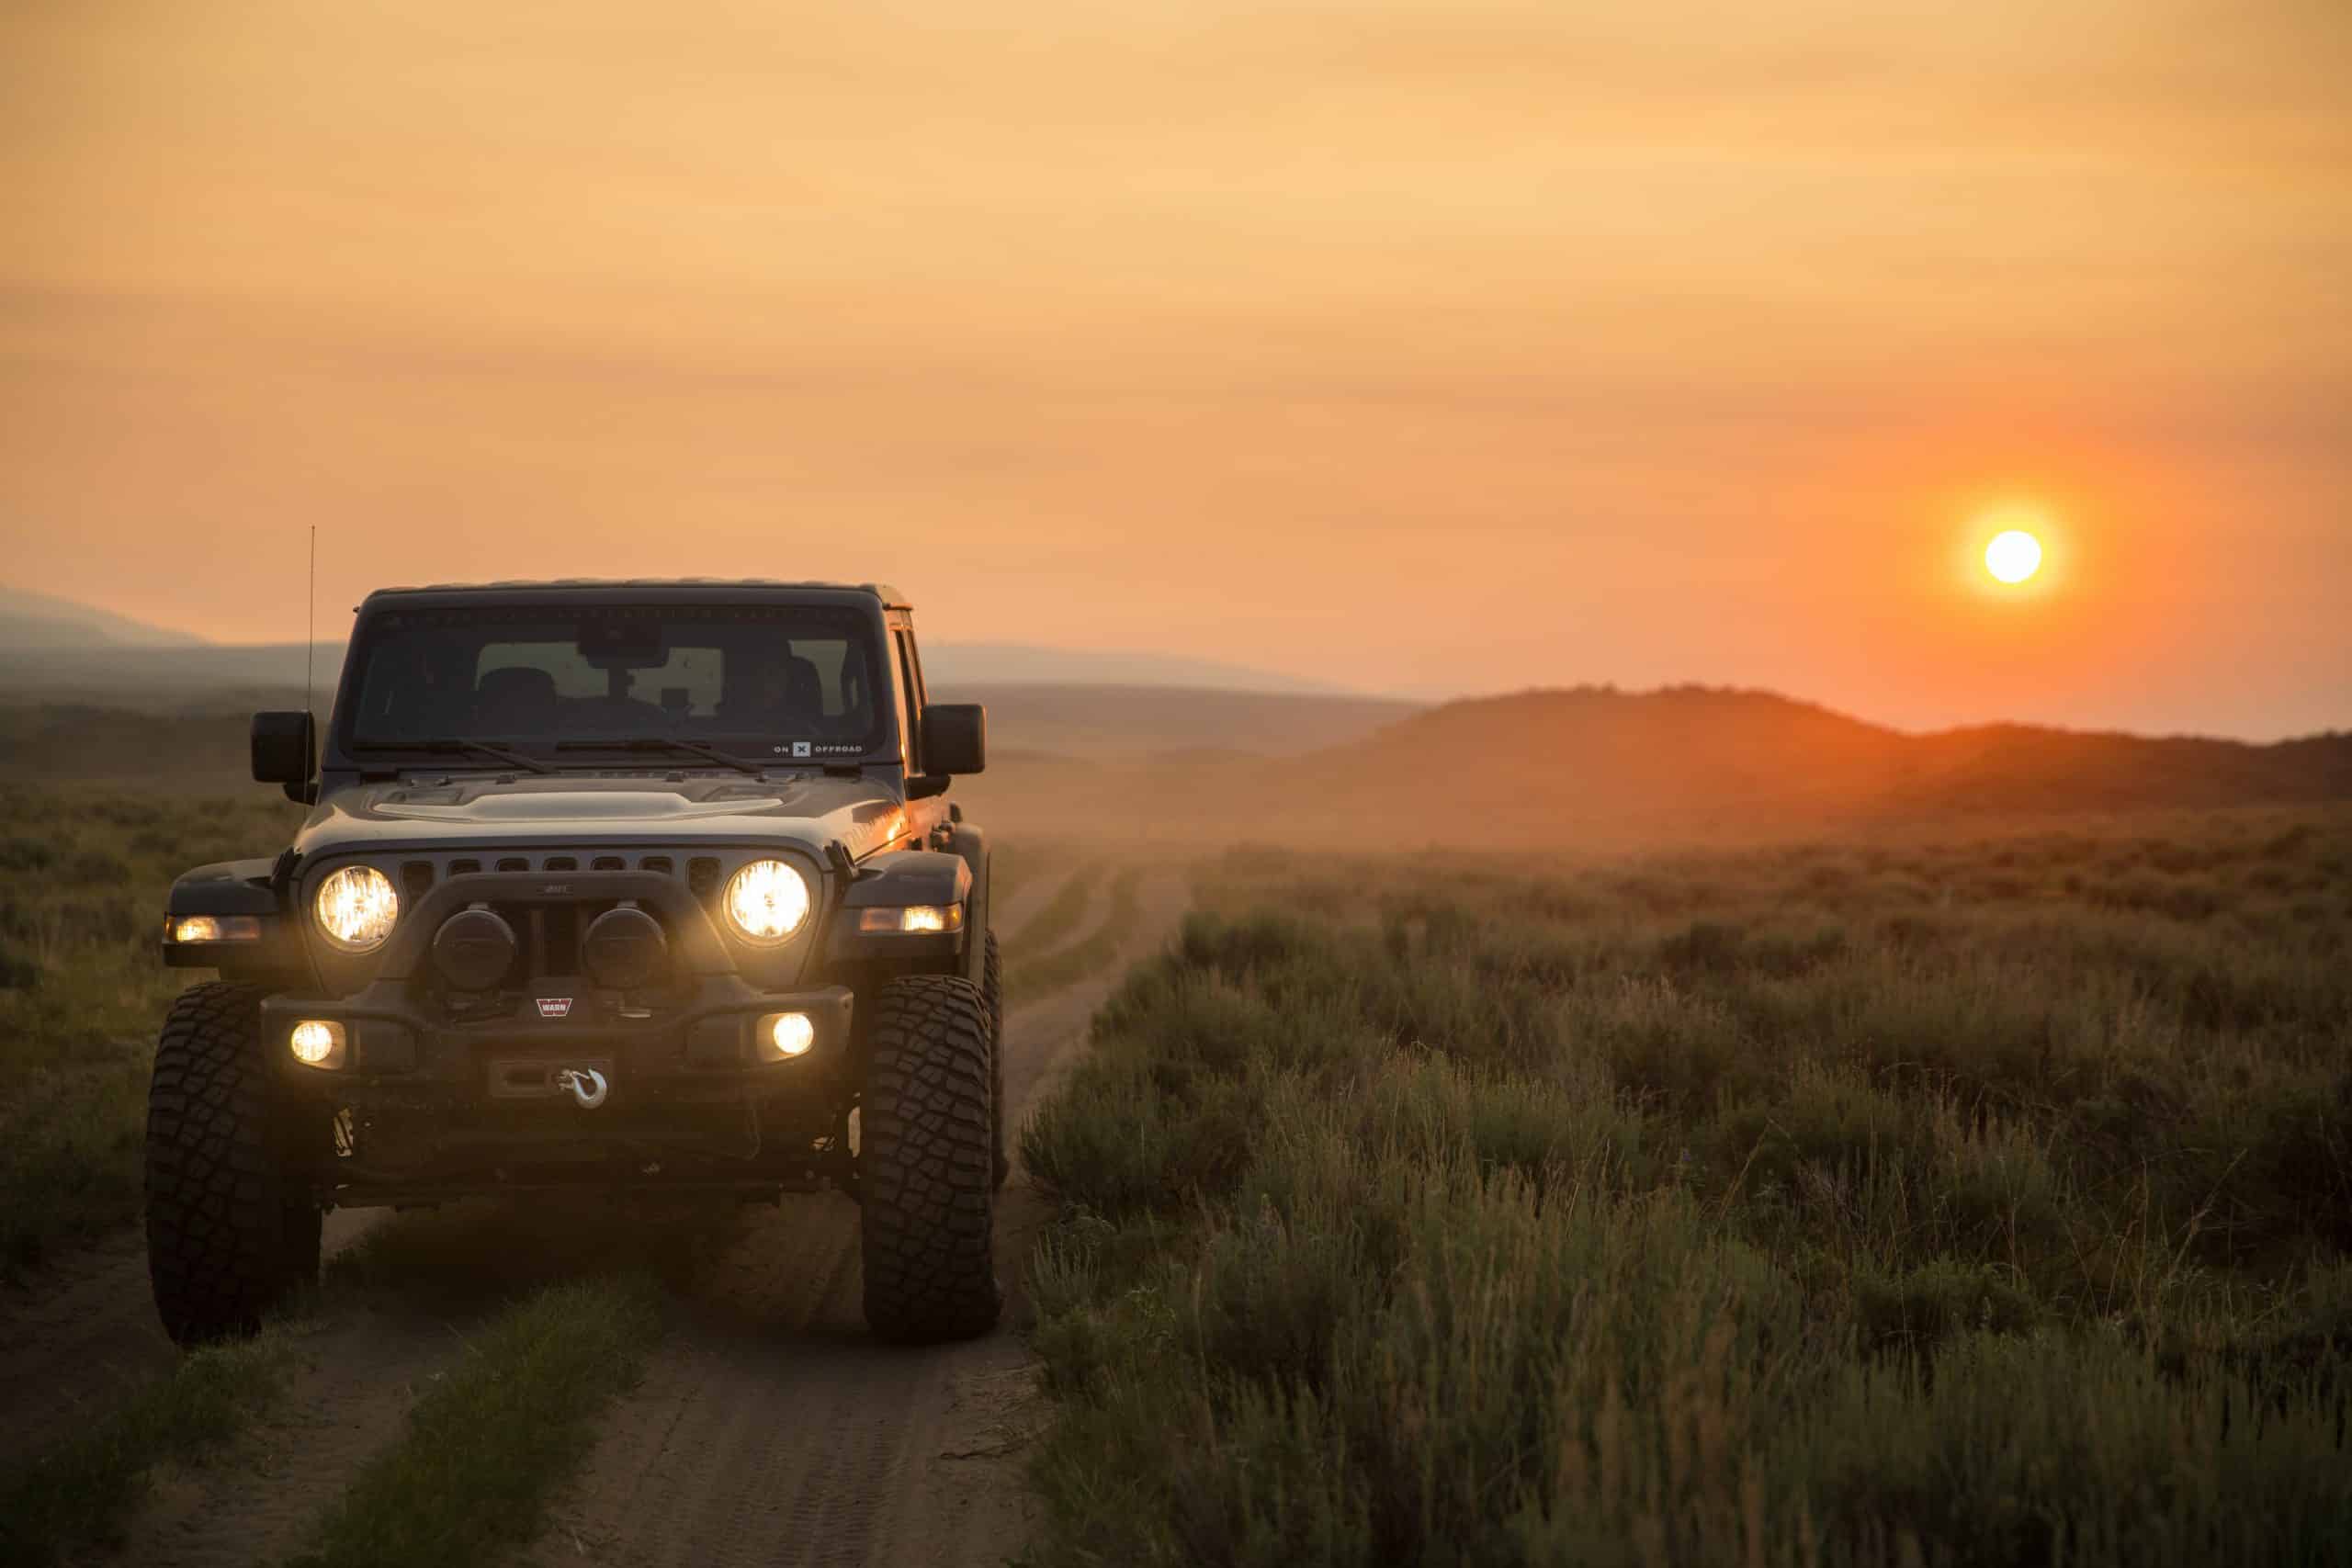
(1429, 347)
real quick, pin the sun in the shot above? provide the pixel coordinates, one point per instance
(2013, 556)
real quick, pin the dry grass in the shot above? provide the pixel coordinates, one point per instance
(82, 988)
(1974, 1203)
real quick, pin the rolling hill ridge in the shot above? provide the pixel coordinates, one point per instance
(1715, 762)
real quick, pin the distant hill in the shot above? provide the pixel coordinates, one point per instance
(1203, 750)
(1588, 769)
(165, 679)
(1713, 763)
(41, 620)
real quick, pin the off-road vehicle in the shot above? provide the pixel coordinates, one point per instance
(608, 886)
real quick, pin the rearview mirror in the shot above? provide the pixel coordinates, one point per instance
(286, 748)
(955, 738)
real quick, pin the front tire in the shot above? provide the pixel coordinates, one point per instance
(926, 1163)
(231, 1229)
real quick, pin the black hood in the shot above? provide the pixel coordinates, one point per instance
(493, 810)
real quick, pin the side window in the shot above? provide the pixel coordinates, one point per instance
(909, 700)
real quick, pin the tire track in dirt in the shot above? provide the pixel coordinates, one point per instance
(768, 1427)
(260, 1499)
(84, 1333)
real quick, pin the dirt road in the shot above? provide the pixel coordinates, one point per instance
(85, 1330)
(770, 1429)
(767, 1427)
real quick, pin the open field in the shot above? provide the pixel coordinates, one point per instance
(1975, 1197)
(1985, 1201)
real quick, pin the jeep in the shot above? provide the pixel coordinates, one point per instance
(607, 887)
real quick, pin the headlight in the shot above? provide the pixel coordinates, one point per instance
(356, 906)
(766, 901)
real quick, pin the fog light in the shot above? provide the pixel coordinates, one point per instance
(215, 928)
(783, 1035)
(914, 920)
(317, 1043)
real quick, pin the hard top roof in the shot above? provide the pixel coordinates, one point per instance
(666, 588)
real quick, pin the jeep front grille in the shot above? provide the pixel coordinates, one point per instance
(549, 935)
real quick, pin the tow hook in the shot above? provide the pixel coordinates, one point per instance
(586, 1084)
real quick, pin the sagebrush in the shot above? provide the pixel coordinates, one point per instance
(1979, 1203)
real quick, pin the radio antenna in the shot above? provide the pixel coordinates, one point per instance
(311, 629)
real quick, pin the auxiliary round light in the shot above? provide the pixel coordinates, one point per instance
(474, 949)
(789, 1034)
(623, 948)
(766, 901)
(315, 1042)
(356, 906)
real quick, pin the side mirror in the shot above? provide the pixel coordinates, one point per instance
(955, 738)
(286, 748)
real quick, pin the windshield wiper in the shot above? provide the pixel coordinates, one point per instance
(456, 743)
(666, 743)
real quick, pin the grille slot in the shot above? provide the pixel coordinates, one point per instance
(608, 863)
(702, 877)
(514, 862)
(416, 878)
(464, 867)
(661, 864)
(561, 862)
(559, 939)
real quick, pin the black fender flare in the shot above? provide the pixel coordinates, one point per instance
(901, 877)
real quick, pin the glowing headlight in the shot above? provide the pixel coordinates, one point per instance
(766, 901)
(356, 906)
(914, 918)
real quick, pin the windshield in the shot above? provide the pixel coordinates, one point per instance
(781, 680)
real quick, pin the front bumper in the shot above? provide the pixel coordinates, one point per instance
(424, 1109)
(397, 1054)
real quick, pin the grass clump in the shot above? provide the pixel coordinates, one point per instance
(483, 1451)
(1746, 1209)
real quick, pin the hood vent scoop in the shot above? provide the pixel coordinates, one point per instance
(586, 806)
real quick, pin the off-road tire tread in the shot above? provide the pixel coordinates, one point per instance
(926, 1163)
(226, 1237)
(992, 991)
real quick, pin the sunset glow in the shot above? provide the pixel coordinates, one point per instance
(1256, 334)
(2013, 556)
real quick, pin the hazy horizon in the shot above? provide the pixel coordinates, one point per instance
(1418, 349)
